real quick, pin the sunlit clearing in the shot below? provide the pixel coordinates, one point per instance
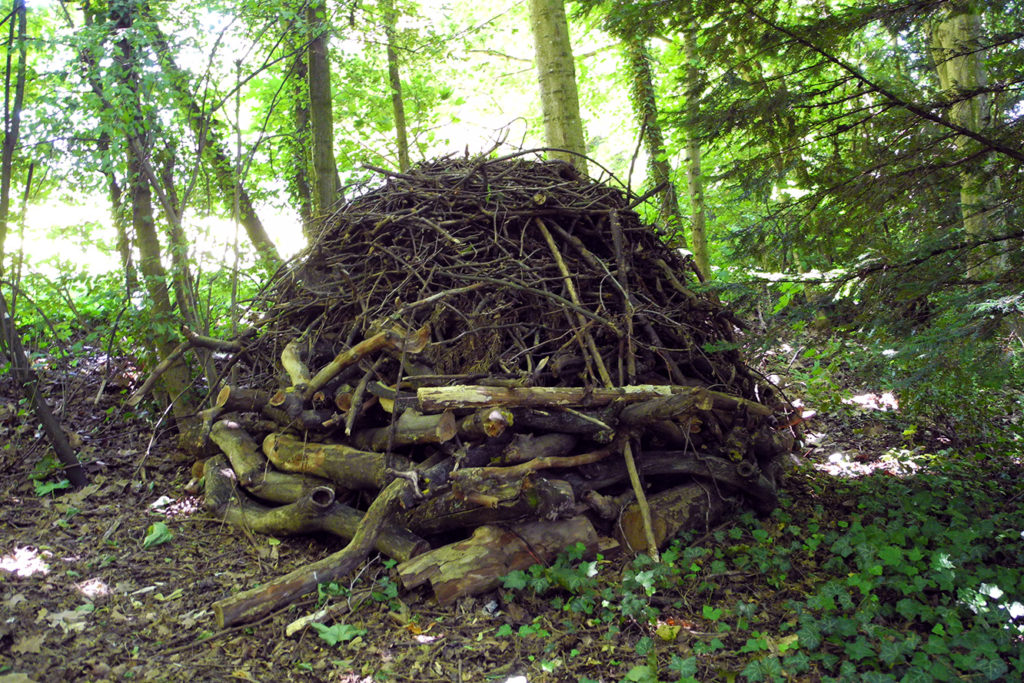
(884, 401)
(93, 588)
(24, 562)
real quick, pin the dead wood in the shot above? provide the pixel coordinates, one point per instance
(314, 510)
(488, 340)
(477, 564)
(350, 467)
(478, 497)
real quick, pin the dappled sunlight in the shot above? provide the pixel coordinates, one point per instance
(25, 561)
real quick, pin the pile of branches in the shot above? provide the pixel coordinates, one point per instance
(480, 343)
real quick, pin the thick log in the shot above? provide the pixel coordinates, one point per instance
(665, 407)
(432, 399)
(411, 427)
(316, 510)
(253, 471)
(257, 602)
(477, 564)
(350, 467)
(592, 425)
(684, 508)
(397, 340)
(526, 447)
(241, 399)
(478, 498)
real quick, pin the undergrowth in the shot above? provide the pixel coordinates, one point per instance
(875, 579)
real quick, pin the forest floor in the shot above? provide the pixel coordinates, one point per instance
(803, 595)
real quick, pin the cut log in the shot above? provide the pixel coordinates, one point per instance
(257, 602)
(666, 407)
(477, 564)
(684, 508)
(485, 423)
(344, 465)
(526, 447)
(411, 427)
(476, 498)
(253, 471)
(315, 510)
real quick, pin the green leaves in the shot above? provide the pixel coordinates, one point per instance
(338, 633)
(157, 534)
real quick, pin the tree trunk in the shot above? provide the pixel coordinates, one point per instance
(563, 128)
(645, 106)
(213, 149)
(960, 64)
(395, 80)
(298, 145)
(694, 182)
(176, 379)
(321, 112)
(12, 116)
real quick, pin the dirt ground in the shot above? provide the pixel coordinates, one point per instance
(86, 598)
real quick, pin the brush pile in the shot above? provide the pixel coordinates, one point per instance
(497, 345)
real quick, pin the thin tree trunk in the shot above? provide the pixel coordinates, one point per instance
(563, 127)
(12, 111)
(298, 145)
(321, 110)
(645, 106)
(956, 41)
(694, 181)
(176, 379)
(395, 80)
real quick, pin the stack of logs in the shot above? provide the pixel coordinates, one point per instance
(487, 345)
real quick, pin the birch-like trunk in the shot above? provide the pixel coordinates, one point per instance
(563, 127)
(956, 43)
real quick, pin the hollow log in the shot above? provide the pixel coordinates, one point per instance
(257, 602)
(253, 471)
(316, 510)
(347, 466)
(477, 564)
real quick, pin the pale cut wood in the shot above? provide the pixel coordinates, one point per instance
(433, 399)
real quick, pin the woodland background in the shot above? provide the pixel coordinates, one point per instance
(847, 175)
